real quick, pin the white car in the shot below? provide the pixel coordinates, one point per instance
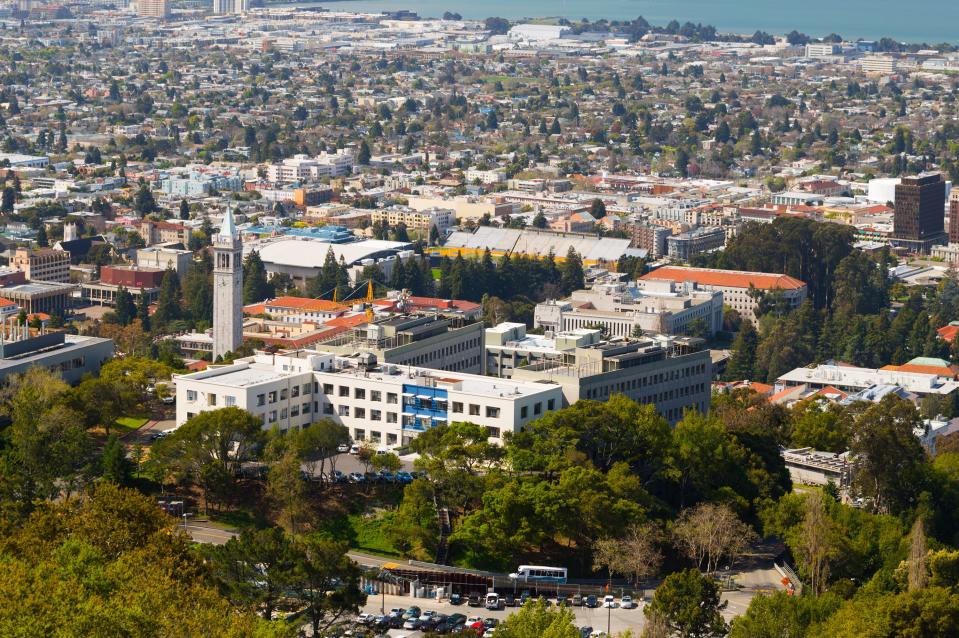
(627, 602)
(343, 447)
(354, 449)
(609, 602)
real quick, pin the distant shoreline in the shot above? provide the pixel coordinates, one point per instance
(749, 20)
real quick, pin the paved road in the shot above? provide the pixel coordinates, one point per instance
(206, 534)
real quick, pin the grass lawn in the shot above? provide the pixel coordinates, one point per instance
(127, 424)
(371, 535)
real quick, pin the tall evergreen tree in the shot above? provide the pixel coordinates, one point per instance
(125, 308)
(742, 364)
(168, 303)
(143, 310)
(184, 209)
(255, 285)
(42, 240)
(573, 275)
(114, 464)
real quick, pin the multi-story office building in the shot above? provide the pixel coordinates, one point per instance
(383, 403)
(683, 246)
(624, 309)
(154, 8)
(668, 372)
(954, 216)
(162, 257)
(418, 220)
(72, 356)
(44, 264)
(303, 167)
(650, 238)
(741, 290)
(430, 342)
(164, 233)
(40, 296)
(920, 212)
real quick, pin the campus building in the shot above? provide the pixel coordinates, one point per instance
(919, 220)
(672, 374)
(383, 403)
(43, 264)
(626, 309)
(72, 356)
(439, 343)
(741, 290)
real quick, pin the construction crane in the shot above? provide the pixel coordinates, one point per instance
(369, 300)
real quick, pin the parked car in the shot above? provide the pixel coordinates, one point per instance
(412, 612)
(609, 602)
(585, 631)
(474, 600)
(371, 477)
(456, 619)
(493, 601)
(337, 477)
(523, 597)
(627, 602)
(509, 600)
(490, 622)
(577, 600)
(169, 399)
(343, 447)
(412, 623)
(354, 449)
(404, 477)
(591, 602)
(396, 611)
(356, 477)
(387, 477)
(456, 599)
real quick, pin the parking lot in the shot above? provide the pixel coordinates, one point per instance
(619, 620)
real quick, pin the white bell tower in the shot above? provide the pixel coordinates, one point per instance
(227, 288)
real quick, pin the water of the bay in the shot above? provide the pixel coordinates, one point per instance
(930, 21)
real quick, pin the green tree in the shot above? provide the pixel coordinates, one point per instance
(535, 620)
(891, 462)
(143, 202)
(287, 488)
(8, 199)
(741, 365)
(208, 450)
(781, 615)
(125, 308)
(114, 464)
(255, 569)
(573, 276)
(688, 604)
(255, 285)
(327, 581)
(168, 302)
(42, 240)
(184, 210)
(109, 562)
(414, 528)
(598, 208)
(363, 155)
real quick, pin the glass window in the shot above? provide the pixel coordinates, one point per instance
(191, 395)
(376, 415)
(457, 407)
(344, 410)
(359, 413)
(474, 409)
(283, 394)
(344, 391)
(523, 411)
(391, 417)
(391, 397)
(211, 399)
(492, 413)
(359, 393)
(376, 395)
(261, 399)
(229, 401)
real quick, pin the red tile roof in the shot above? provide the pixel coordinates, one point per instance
(726, 278)
(948, 333)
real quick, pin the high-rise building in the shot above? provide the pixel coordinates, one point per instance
(154, 8)
(920, 203)
(221, 7)
(227, 288)
(954, 216)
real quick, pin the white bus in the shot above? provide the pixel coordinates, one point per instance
(538, 573)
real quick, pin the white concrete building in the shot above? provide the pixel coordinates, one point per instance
(854, 379)
(622, 309)
(382, 403)
(303, 167)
